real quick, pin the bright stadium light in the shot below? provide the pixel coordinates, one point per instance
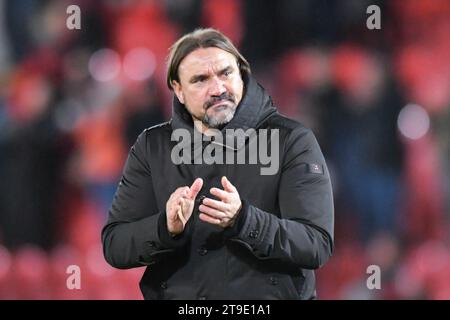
(104, 65)
(413, 121)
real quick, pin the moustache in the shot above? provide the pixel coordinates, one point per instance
(224, 96)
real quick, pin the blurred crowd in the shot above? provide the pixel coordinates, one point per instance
(72, 103)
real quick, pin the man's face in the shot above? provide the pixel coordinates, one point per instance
(210, 86)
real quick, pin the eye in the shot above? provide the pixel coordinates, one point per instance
(200, 80)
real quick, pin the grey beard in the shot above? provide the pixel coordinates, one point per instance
(215, 123)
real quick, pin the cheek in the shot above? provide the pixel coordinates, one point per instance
(195, 100)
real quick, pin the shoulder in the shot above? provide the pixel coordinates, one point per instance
(157, 128)
(288, 126)
(155, 131)
(150, 134)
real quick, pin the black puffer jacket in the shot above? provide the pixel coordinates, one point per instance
(284, 230)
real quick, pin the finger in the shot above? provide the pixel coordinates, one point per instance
(212, 212)
(221, 194)
(209, 219)
(181, 191)
(180, 215)
(180, 202)
(173, 212)
(227, 186)
(195, 188)
(219, 205)
(177, 203)
(178, 195)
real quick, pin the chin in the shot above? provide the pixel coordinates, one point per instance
(220, 120)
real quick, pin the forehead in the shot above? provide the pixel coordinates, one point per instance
(205, 60)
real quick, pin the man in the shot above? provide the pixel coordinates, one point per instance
(224, 230)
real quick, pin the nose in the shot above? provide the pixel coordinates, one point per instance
(217, 87)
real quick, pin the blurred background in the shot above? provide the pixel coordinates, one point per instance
(72, 102)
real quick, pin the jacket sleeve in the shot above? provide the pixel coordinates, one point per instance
(136, 232)
(303, 233)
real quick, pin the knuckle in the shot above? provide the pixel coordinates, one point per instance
(180, 189)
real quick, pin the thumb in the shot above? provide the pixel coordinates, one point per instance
(227, 186)
(195, 188)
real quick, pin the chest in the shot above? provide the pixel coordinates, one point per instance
(247, 176)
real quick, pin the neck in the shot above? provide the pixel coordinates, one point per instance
(205, 129)
(199, 125)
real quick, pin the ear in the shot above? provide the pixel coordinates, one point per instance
(177, 90)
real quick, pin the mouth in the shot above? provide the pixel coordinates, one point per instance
(223, 104)
(219, 108)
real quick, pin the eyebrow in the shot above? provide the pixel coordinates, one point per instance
(198, 77)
